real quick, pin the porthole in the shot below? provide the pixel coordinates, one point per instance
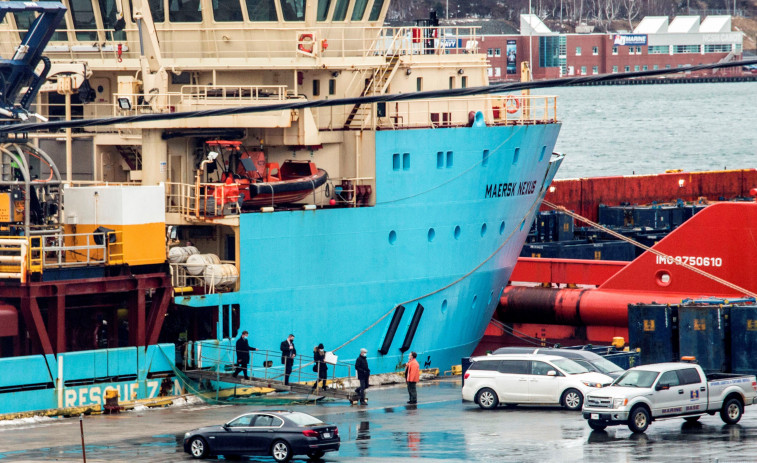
(431, 234)
(392, 237)
(483, 230)
(473, 305)
(457, 232)
(663, 278)
(444, 306)
(502, 227)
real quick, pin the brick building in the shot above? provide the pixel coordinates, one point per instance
(656, 43)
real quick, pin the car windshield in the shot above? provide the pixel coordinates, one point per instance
(605, 366)
(637, 378)
(569, 366)
(304, 419)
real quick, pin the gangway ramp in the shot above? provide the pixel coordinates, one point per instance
(277, 385)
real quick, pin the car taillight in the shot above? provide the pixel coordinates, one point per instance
(336, 431)
(754, 385)
(466, 376)
(310, 433)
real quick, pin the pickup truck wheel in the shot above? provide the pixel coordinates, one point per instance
(638, 420)
(597, 425)
(487, 399)
(572, 399)
(731, 411)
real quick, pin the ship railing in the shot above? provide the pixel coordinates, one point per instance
(187, 43)
(266, 364)
(62, 250)
(200, 279)
(14, 255)
(202, 201)
(456, 112)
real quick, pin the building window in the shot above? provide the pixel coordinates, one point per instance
(490, 52)
(578, 51)
(738, 47)
(717, 48)
(645, 68)
(667, 66)
(614, 50)
(490, 72)
(636, 68)
(655, 67)
(679, 49)
(638, 50)
(595, 51)
(583, 70)
(631, 50)
(316, 87)
(628, 68)
(614, 69)
(332, 86)
(497, 72)
(595, 69)
(658, 49)
(497, 52)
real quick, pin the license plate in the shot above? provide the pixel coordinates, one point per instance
(595, 416)
(327, 435)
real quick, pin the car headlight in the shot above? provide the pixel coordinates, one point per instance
(186, 435)
(617, 403)
(591, 384)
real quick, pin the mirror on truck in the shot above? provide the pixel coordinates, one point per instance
(662, 387)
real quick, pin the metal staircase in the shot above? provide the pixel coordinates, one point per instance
(376, 85)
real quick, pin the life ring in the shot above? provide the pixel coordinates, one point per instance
(512, 104)
(324, 44)
(306, 43)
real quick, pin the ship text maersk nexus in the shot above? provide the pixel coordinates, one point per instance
(390, 226)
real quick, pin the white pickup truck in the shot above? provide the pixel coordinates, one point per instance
(668, 390)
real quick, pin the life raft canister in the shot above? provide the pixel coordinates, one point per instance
(512, 104)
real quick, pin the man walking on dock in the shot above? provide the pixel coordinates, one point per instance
(243, 355)
(412, 376)
(288, 353)
(363, 374)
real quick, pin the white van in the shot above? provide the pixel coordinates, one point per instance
(529, 379)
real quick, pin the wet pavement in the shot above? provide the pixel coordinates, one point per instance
(439, 428)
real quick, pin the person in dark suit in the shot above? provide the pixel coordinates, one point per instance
(243, 355)
(288, 353)
(320, 367)
(363, 374)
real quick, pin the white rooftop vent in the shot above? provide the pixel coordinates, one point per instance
(715, 25)
(652, 25)
(684, 25)
(530, 24)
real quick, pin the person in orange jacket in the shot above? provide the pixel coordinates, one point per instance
(412, 376)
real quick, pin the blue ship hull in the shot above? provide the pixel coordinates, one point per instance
(453, 207)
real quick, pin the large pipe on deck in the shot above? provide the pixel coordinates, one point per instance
(576, 307)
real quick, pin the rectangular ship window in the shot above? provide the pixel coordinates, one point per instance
(449, 159)
(464, 82)
(440, 160)
(227, 11)
(396, 161)
(185, 11)
(419, 84)
(332, 86)
(452, 82)
(316, 87)
(261, 10)
(516, 155)
(405, 161)
(485, 159)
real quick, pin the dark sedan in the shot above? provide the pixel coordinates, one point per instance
(280, 434)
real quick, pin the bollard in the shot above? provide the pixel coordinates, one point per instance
(111, 401)
(81, 429)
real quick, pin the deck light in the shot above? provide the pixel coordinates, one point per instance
(124, 103)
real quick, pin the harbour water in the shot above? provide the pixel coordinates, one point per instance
(646, 129)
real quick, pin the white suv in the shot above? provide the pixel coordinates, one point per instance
(529, 379)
